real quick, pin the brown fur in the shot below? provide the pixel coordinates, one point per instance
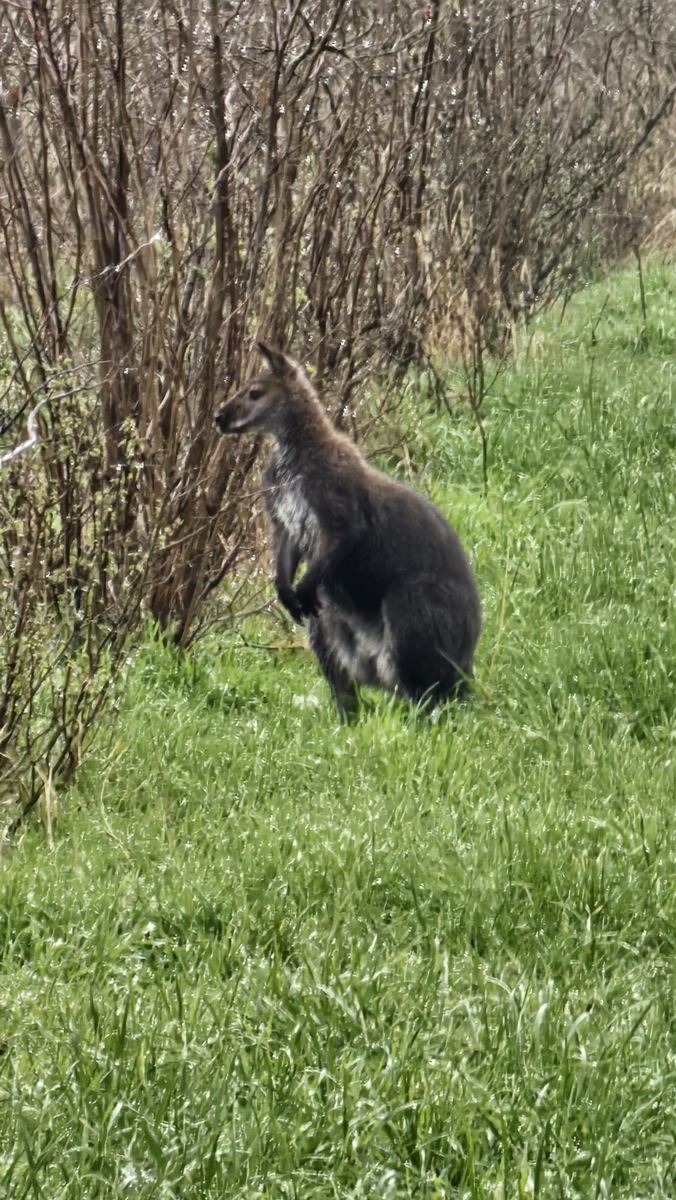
(388, 594)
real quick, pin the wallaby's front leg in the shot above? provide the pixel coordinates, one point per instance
(323, 570)
(286, 565)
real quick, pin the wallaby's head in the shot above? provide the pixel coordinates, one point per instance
(265, 403)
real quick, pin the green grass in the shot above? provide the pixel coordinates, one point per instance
(267, 956)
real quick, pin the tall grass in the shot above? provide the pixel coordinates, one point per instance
(262, 955)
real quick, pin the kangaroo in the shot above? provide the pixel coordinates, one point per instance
(388, 594)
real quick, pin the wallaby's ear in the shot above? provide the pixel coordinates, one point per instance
(279, 363)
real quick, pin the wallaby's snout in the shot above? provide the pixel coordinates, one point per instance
(227, 417)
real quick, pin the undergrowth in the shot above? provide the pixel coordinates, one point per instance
(262, 955)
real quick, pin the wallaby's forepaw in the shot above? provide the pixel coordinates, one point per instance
(287, 597)
(308, 601)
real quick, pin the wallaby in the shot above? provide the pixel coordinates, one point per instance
(388, 593)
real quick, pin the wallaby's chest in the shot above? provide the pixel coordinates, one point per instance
(287, 502)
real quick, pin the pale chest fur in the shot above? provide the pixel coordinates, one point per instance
(287, 503)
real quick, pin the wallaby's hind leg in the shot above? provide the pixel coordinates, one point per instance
(434, 631)
(429, 688)
(343, 688)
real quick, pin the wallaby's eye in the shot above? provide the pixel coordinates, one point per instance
(255, 393)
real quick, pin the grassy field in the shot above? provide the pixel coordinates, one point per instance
(266, 956)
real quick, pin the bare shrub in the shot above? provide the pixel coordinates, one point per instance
(367, 182)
